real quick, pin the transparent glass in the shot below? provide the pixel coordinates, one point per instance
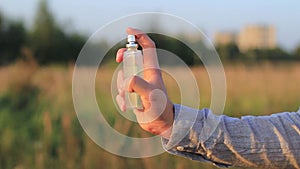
(132, 66)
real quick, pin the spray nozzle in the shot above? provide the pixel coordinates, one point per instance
(131, 41)
(131, 38)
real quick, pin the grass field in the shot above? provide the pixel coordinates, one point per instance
(39, 128)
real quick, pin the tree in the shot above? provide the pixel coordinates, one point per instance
(296, 53)
(276, 54)
(12, 38)
(50, 44)
(174, 46)
(1, 19)
(46, 34)
(229, 51)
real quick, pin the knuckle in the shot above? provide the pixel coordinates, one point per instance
(150, 44)
(133, 82)
(147, 42)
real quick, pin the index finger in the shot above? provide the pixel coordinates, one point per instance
(149, 50)
(142, 38)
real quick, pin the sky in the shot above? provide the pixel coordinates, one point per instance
(210, 16)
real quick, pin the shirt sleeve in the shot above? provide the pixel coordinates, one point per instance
(251, 141)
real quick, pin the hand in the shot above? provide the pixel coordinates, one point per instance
(157, 113)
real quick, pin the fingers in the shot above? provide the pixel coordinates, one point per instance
(120, 97)
(158, 102)
(121, 103)
(120, 53)
(140, 86)
(149, 50)
(133, 84)
(150, 60)
(143, 39)
(120, 83)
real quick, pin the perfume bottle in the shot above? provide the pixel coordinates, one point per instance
(132, 66)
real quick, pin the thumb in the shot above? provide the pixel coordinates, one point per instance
(140, 86)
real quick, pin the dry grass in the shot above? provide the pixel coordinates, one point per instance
(252, 90)
(263, 89)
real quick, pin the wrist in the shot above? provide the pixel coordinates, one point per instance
(169, 120)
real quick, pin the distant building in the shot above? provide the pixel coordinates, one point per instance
(224, 38)
(257, 37)
(250, 37)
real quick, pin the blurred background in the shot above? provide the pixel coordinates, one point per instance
(258, 43)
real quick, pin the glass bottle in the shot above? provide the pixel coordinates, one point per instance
(132, 66)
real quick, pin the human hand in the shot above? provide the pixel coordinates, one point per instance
(157, 113)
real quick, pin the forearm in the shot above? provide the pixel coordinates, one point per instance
(262, 141)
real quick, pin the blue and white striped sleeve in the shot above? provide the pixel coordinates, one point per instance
(251, 141)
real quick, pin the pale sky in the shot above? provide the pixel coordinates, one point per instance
(210, 16)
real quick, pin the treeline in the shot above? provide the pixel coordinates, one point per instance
(228, 53)
(47, 40)
(50, 43)
(231, 52)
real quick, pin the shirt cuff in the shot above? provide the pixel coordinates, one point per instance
(188, 133)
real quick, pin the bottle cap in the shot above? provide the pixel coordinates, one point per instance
(131, 42)
(130, 38)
